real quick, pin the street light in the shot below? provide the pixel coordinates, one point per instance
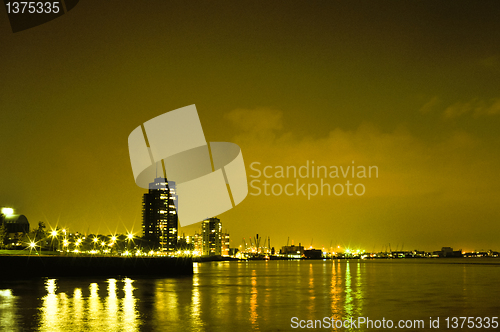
(130, 238)
(7, 211)
(32, 246)
(54, 235)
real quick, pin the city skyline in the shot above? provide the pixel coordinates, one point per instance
(407, 87)
(202, 243)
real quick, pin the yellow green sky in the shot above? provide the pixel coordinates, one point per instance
(409, 86)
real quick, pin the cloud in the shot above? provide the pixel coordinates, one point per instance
(430, 105)
(492, 62)
(425, 188)
(475, 107)
(256, 120)
(408, 165)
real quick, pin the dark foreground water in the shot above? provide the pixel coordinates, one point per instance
(259, 295)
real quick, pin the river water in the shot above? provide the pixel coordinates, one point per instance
(260, 295)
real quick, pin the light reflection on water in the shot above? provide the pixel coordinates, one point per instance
(8, 310)
(195, 298)
(92, 311)
(244, 296)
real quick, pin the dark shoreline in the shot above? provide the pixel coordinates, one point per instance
(35, 266)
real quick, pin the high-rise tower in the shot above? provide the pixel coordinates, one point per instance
(211, 231)
(159, 214)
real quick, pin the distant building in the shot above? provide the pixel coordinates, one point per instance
(198, 244)
(225, 244)
(292, 251)
(211, 232)
(313, 253)
(447, 252)
(17, 223)
(16, 226)
(482, 253)
(185, 243)
(159, 214)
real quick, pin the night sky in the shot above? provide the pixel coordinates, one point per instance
(409, 86)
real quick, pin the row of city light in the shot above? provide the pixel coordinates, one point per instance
(6, 211)
(54, 233)
(78, 242)
(265, 250)
(113, 240)
(138, 252)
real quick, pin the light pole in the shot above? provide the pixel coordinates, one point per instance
(32, 246)
(54, 235)
(95, 241)
(4, 212)
(130, 237)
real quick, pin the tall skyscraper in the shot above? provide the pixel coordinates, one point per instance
(159, 214)
(211, 232)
